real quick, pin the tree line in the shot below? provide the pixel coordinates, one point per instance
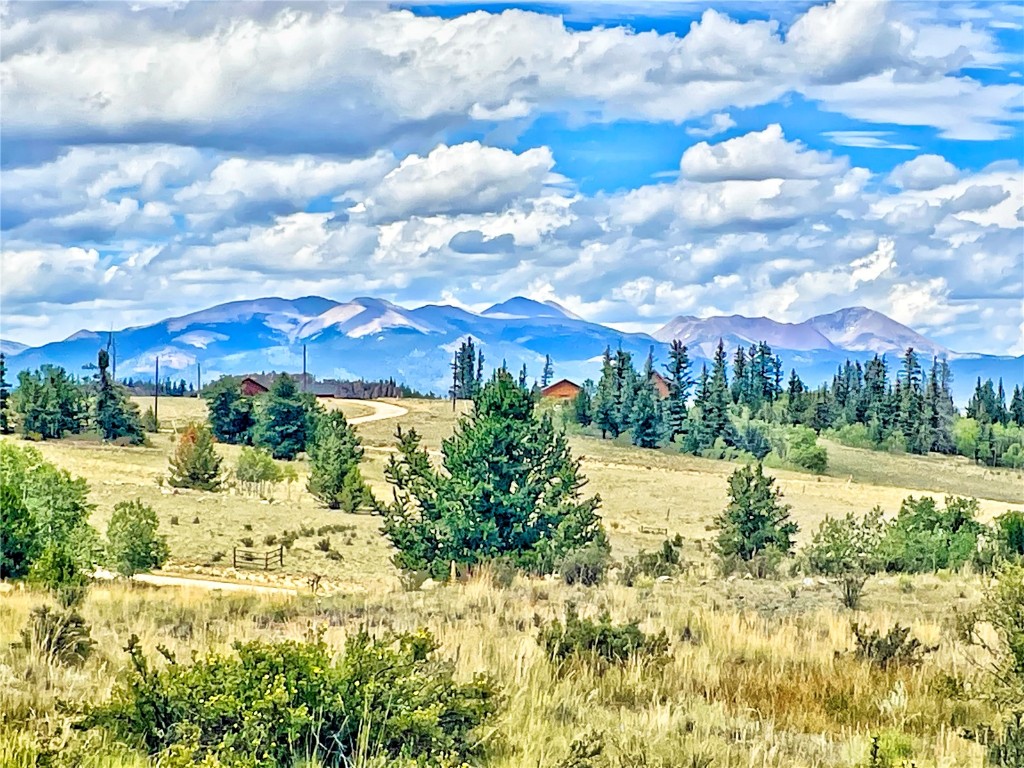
(749, 408)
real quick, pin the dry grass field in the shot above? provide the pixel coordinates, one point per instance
(759, 675)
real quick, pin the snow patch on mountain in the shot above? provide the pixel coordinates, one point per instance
(200, 339)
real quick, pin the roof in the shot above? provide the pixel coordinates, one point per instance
(560, 385)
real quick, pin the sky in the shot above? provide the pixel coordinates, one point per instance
(632, 161)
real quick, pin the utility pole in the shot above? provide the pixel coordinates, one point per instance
(303, 367)
(199, 377)
(156, 393)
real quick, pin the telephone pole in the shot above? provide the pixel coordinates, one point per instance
(156, 393)
(199, 377)
(303, 367)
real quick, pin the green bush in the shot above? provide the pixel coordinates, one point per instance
(59, 636)
(334, 456)
(256, 469)
(667, 561)
(133, 544)
(586, 566)
(853, 435)
(271, 704)
(846, 545)
(1010, 533)
(924, 537)
(600, 641)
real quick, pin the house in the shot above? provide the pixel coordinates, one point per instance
(250, 387)
(660, 385)
(561, 390)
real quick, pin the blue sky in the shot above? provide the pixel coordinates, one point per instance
(632, 161)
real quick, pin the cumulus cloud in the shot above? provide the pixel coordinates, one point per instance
(924, 172)
(757, 156)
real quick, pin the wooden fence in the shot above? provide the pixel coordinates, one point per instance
(258, 559)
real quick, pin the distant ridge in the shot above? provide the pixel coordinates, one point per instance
(372, 339)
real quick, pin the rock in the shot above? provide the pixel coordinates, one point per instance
(663, 579)
(428, 585)
(808, 581)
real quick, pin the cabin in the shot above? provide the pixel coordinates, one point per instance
(250, 387)
(660, 385)
(561, 390)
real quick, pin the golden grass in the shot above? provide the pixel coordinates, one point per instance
(755, 677)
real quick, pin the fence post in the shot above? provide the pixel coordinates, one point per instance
(280, 555)
(234, 557)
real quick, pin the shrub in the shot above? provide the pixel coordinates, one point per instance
(195, 463)
(586, 566)
(668, 561)
(924, 537)
(60, 636)
(600, 641)
(55, 570)
(246, 541)
(1010, 533)
(256, 469)
(324, 544)
(846, 545)
(755, 519)
(895, 648)
(174, 520)
(854, 435)
(274, 703)
(149, 421)
(851, 588)
(133, 543)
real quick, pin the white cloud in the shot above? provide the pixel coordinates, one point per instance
(756, 157)
(924, 172)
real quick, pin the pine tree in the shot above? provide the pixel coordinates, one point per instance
(334, 456)
(582, 405)
(523, 379)
(679, 384)
(509, 487)
(195, 463)
(626, 384)
(740, 390)
(5, 394)
(755, 520)
(605, 411)
(548, 373)
(940, 409)
(1017, 406)
(716, 408)
(49, 403)
(116, 417)
(795, 406)
(646, 415)
(231, 415)
(283, 426)
(911, 405)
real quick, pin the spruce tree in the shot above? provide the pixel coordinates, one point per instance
(605, 409)
(116, 417)
(646, 419)
(626, 385)
(741, 385)
(231, 416)
(755, 519)
(283, 426)
(195, 463)
(679, 384)
(716, 408)
(508, 487)
(548, 373)
(5, 394)
(523, 379)
(334, 456)
(1017, 406)
(911, 406)
(50, 403)
(582, 405)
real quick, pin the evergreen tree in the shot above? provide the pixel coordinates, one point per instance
(509, 487)
(740, 390)
(679, 384)
(334, 456)
(231, 415)
(795, 405)
(582, 405)
(755, 520)
(940, 409)
(549, 372)
(284, 426)
(605, 410)
(5, 393)
(49, 403)
(467, 371)
(626, 385)
(1017, 407)
(523, 379)
(195, 463)
(116, 417)
(911, 405)
(646, 415)
(716, 408)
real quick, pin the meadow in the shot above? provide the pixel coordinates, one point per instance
(760, 672)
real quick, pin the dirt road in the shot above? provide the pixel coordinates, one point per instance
(381, 410)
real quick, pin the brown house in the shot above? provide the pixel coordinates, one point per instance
(561, 390)
(660, 385)
(250, 387)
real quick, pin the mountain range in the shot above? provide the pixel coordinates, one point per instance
(372, 338)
